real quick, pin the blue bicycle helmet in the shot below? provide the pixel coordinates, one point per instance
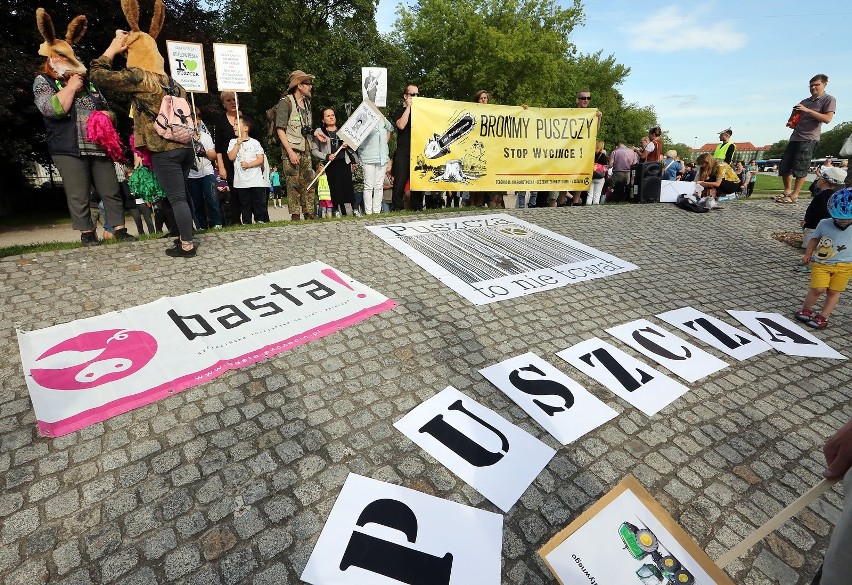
(840, 204)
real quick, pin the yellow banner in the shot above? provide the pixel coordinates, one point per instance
(462, 146)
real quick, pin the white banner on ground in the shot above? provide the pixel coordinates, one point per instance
(633, 380)
(670, 351)
(560, 405)
(89, 370)
(186, 63)
(784, 335)
(671, 190)
(497, 458)
(716, 333)
(488, 258)
(374, 84)
(379, 533)
(232, 67)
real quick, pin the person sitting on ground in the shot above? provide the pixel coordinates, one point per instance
(744, 175)
(717, 177)
(830, 255)
(689, 172)
(672, 166)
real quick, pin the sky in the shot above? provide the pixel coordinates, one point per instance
(717, 64)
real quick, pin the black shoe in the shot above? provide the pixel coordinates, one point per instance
(168, 235)
(89, 239)
(122, 236)
(179, 252)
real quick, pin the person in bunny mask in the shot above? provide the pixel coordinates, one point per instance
(66, 100)
(145, 81)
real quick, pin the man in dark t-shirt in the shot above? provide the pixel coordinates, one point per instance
(402, 157)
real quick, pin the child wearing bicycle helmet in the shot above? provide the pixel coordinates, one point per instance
(830, 255)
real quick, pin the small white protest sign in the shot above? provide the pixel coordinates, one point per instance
(360, 124)
(670, 351)
(232, 67)
(716, 333)
(634, 381)
(560, 405)
(186, 63)
(497, 458)
(785, 336)
(379, 533)
(374, 84)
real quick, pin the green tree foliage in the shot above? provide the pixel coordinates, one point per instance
(831, 141)
(777, 149)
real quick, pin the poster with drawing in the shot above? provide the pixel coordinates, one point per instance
(374, 85)
(359, 125)
(489, 258)
(627, 538)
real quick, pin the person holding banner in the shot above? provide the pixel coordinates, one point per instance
(837, 563)
(294, 127)
(145, 81)
(338, 165)
(374, 156)
(224, 125)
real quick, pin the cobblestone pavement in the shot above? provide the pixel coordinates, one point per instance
(232, 481)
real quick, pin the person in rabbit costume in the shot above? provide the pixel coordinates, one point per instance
(145, 81)
(66, 100)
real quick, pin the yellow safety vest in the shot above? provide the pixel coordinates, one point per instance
(721, 151)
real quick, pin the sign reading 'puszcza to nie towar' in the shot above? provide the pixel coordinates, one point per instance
(476, 147)
(89, 370)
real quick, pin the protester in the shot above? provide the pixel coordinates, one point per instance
(807, 119)
(672, 167)
(200, 183)
(250, 184)
(275, 183)
(621, 159)
(752, 169)
(726, 149)
(145, 81)
(598, 174)
(323, 192)
(338, 165)
(224, 125)
(716, 176)
(402, 155)
(744, 176)
(689, 173)
(652, 146)
(66, 100)
(831, 180)
(294, 125)
(829, 253)
(583, 100)
(373, 154)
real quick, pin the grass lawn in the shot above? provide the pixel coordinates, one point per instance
(770, 185)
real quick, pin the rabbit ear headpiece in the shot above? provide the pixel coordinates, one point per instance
(53, 47)
(142, 49)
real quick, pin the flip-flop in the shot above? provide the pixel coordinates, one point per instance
(785, 200)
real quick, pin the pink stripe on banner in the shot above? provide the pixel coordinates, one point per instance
(122, 405)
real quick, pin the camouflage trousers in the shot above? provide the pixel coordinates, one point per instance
(299, 200)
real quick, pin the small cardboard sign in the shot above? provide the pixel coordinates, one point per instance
(359, 125)
(628, 537)
(186, 64)
(374, 85)
(232, 67)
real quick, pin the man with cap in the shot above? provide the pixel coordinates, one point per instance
(725, 150)
(293, 125)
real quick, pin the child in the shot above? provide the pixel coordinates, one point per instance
(830, 252)
(830, 181)
(250, 184)
(324, 193)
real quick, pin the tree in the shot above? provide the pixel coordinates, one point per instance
(832, 140)
(777, 149)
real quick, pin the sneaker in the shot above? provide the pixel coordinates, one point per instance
(178, 252)
(122, 236)
(356, 213)
(804, 315)
(818, 321)
(89, 239)
(336, 213)
(217, 227)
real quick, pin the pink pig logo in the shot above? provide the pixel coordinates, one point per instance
(95, 358)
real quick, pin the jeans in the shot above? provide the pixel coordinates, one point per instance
(594, 197)
(203, 194)
(172, 169)
(522, 195)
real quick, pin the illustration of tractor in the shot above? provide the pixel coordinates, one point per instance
(641, 543)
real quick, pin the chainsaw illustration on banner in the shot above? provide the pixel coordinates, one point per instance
(438, 146)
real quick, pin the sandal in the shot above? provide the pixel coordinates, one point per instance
(804, 315)
(786, 200)
(818, 321)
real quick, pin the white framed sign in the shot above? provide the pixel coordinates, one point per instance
(497, 458)
(785, 336)
(670, 351)
(716, 333)
(642, 386)
(374, 85)
(627, 537)
(232, 67)
(380, 534)
(560, 405)
(360, 124)
(186, 64)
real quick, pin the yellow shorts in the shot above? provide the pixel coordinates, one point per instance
(831, 276)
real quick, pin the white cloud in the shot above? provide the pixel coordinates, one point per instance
(677, 29)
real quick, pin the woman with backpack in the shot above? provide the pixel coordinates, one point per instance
(145, 80)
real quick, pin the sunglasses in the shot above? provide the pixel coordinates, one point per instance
(585, 97)
(413, 94)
